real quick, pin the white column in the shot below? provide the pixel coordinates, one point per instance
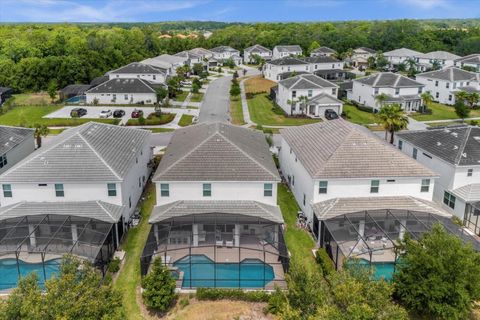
(74, 233)
(195, 234)
(33, 239)
(237, 235)
(402, 229)
(361, 228)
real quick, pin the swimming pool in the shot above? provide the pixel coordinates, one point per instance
(9, 271)
(200, 271)
(381, 270)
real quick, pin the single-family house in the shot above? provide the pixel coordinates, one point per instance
(324, 63)
(217, 204)
(223, 53)
(400, 56)
(454, 153)
(337, 168)
(15, 144)
(472, 61)
(261, 51)
(137, 70)
(323, 52)
(397, 88)
(442, 58)
(198, 55)
(73, 90)
(166, 62)
(286, 51)
(279, 69)
(361, 55)
(5, 93)
(122, 91)
(309, 95)
(443, 84)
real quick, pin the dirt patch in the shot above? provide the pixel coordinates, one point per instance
(258, 85)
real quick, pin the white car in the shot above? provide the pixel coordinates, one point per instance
(105, 113)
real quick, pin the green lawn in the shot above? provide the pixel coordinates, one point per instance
(185, 120)
(263, 112)
(160, 130)
(28, 116)
(299, 242)
(181, 96)
(358, 116)
(129, 278)
(196, 97)
(442, 112)
(236, 111)
(153, 120)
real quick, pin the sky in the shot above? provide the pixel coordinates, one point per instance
(232, 10)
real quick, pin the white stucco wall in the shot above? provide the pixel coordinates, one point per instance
(285, 94)
(441, 90)
(154, 78)
(277, 54)
(247, 56)
(132, 98)
(272, 71)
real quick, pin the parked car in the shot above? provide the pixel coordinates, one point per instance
(330, 114)
(186, 83)
(119, 113)
(78, 112)
(105, 113)
(137, 114)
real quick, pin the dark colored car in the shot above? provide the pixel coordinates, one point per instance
(118, 113)
(330, 114)
(78, 112)
(137, 114)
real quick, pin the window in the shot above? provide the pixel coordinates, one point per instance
(376, 90)
(304, 199)
(267, 189)
(139, 182)
(323, 187)
(154, 77)
(397, 90)
(129, 202)
(164, 190)
(374, 186)
(3, 160)
(400, 144)
(7, 190)
(449, 199)
(207, 189)
(447, 85)
(294, 94)
(437, 95)
(420, 90)
(449, 97)
(414, 154)
(125, 97)
(425, 185)
(59, 190)
(436, 83)
(470, 172)
(334, 91)
(112, 189)
(310, 93)
(293, 180)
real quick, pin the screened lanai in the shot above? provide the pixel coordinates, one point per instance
(372, 235)
(233, 244)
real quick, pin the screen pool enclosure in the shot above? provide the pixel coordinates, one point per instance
(37, 243)
(371, 236)
(219, 250)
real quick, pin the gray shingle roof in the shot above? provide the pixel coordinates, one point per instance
(469, 192)
(306, 81)
(449, 74)
(120, 86)
(10, 137)
(324, 98)
(217, 152)
(137, 68)
(455, 145)
(246, 208)
(321, 59)
(339, 206)
(388, 79)
(258, 48)
(340, 149)
(90, 152)
(402, 52)
(471, 58)
(99, 210)
(365, 49)
(438, 55)
(287, 61)
(324, 50)
(4, 89)
(289, 48)
(221, 49)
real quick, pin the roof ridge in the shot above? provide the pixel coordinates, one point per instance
(106, 211)
(398, 80)
(12, 206)
(458, 158)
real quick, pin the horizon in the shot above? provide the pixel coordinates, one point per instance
(269, 11)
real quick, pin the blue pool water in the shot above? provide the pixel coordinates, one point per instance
(9, 271)
(76, 99)
(200, 271)
(381, 270)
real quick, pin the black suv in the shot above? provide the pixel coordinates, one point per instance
(330, 114)
(118, 113)
(78, 112)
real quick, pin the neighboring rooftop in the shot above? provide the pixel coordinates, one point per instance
(164, 61)
(469, 192)
(449, 74)
(4, 89)
(90, 152)
(321, 59)
(10, 137)
(204, 207)
(324, 50)
(221, 49)
(137, 68)
(471, 59)
(288, 48)
(121, 85)
(306, 81)
(217, 152)
(287, 61)
(75, 89)
(325, 99)
(438, 55)
(402, 52)
(258, 48)
(458, 145)
(365, 49)
(340, 149)
(388, 79)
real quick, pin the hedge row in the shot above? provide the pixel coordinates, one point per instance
(232, 294)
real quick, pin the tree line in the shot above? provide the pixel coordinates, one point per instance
(32, 55)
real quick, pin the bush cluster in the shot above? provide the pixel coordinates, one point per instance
(326, 264)
(232, 294)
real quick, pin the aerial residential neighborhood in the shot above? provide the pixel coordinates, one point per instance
(245, 160)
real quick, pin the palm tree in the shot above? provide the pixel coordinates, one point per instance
(461, 95)
(436, 65)
(291, 103)
(380, 99)
(412, 65)
(427, 99)
(40, 131)
(393, 119)
(303, 103)
(472, 99)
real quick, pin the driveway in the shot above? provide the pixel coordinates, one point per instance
(216, 101)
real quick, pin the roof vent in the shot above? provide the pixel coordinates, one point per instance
(439, 143)
(455, 134)
(66, 146)
(477, 138)
(455, 147)
(464, 155)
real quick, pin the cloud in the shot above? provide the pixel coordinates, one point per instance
(427, 4)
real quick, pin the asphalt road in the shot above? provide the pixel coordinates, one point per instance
(216, 102)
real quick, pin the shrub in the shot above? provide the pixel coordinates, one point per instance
(159, 287)
(326, 264)
(232, 294)
(249, 95)
(183, 303)
(141, 121)
(114, 265)
(457, 221)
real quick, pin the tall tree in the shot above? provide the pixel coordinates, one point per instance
(393, 119)
(41, 130)
(461, 110)
(427, 99)
(159, 287)
(472, 99)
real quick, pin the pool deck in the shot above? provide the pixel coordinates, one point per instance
(381, 251)
(31, 257)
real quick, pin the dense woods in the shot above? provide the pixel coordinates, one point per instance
(32, 55)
